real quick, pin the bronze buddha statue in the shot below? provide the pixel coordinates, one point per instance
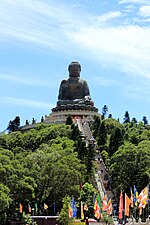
(74, 92)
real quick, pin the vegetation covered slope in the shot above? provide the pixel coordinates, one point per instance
(49, 162)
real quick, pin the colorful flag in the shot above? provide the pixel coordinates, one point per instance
(143, 197)
(74, 208)
(29, 208)
(104, 203)
(36, 207)
(45, 206)
(82, 214)
(97, 208)
(135, 195)
(120, 206)
(70, 211)
(127, 205)
(20, 208)
(131, 197)
(109, 207)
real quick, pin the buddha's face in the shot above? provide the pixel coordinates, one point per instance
(74, 71)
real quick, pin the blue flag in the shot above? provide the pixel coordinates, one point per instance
(135, 195)
(74, 208)
(54, 206)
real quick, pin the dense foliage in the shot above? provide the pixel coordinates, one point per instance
(49, 162)
(125, 149)
(37, 167)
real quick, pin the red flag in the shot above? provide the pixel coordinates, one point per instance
(109, 207)
(143, 197)
(127, 205)
(70, 211)
(120, 206)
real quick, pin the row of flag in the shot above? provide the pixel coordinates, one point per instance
(138, 200)
(29, 207)
(99, 207)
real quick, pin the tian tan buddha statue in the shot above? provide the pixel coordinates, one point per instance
(74, 92)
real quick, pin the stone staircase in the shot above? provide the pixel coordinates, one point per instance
(101, 179)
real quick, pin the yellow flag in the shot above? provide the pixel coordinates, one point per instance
(82, 214)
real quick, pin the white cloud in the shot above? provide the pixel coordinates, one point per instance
(108, 16)
(133, 1)
(124, 46)
(21, 79)
(56, 27)
(33, 22)
(24, 102)
(145, 11)
(130, 8)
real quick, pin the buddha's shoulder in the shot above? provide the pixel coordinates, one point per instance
(63, 82)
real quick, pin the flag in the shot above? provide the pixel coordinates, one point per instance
(135, 195)
(74, 208)
(109, 207)
(140, 211)
(70, 211)
(36, 207)
(45, 206)
(54, 207)
(120, 206)
(29, 208)
(143, 197)
(127, 205)
(104, 203)
(97, 208)
(86, 207)
(20, 208)
(82, 214)
(131, 197)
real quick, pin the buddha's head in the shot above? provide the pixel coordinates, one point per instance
(74, 69)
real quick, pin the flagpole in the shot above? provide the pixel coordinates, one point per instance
(33, 216)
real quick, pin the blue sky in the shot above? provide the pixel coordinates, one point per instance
(40, 38)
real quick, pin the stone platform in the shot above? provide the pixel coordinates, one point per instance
(59, 117)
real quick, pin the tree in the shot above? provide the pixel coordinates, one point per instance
(69, 120)
(102, 134)
(5, 201)
(64, 215)
(14, 125)
(104, 111)
(134, 120)
(95, 126)
(130, 166)
(145, 120)
(126, 117)
(87, 193)
(116, 140)
(110, 116)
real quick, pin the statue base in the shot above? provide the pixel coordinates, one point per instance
(59, 115)
(75, 107)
